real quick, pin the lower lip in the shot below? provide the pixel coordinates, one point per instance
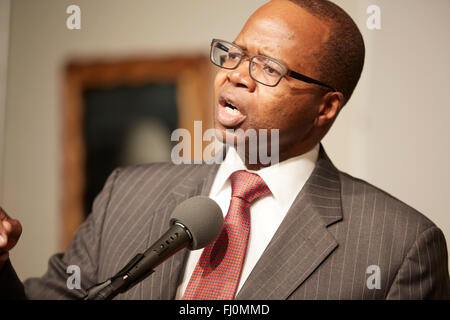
(229, 120)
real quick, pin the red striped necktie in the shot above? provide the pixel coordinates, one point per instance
(218, 270)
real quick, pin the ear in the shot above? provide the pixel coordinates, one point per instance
(330, 106)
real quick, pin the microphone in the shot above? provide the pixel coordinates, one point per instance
(194, 223)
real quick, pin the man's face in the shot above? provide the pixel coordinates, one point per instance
(287, 33)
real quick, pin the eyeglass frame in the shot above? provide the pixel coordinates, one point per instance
(286, 71)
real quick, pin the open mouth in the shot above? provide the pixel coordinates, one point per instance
(229, 114)
(229, 108)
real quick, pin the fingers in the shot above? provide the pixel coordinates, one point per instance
(13, 228)
(3, 236)
(3, 214)
(3, 240)
(10, 231)
(3, 230)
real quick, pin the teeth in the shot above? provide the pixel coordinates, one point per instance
(232, 111)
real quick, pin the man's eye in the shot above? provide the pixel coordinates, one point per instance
(233, 55)
(271, 70)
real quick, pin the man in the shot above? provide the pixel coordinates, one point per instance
(300, 229)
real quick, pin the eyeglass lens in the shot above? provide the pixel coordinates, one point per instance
(262, 69)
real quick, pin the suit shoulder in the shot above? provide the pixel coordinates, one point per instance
(142, 168)
(152, 175)
(385, 203)
(155, 169)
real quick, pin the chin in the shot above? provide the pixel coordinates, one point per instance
(230, 137)
(220, 133)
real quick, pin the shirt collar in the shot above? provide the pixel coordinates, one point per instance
(284, 179)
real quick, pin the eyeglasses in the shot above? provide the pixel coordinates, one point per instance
(262, 69)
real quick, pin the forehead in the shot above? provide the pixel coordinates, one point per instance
(284, 31)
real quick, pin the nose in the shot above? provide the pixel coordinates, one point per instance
(240, 77)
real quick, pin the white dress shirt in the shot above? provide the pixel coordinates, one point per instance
(285, 180)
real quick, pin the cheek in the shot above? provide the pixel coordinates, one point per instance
(219, 80)
(292, 115)
(281, 110)
(268, 109)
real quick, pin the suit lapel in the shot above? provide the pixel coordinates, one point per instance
(302, 242)
(163, 283)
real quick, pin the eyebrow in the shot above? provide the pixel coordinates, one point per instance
(259, 52)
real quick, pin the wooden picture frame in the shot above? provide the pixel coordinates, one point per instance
(193, 78)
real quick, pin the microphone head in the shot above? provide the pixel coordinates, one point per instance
(203, 218)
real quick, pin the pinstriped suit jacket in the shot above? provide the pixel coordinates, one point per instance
(337, 227)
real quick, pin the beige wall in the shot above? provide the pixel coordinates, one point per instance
(393, 132)
(4, 45)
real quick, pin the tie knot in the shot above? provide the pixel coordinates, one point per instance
(248, 186)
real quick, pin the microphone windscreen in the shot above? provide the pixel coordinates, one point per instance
(203, 218)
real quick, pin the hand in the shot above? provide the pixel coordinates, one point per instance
(10, 231)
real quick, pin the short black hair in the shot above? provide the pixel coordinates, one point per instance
(341, 62)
